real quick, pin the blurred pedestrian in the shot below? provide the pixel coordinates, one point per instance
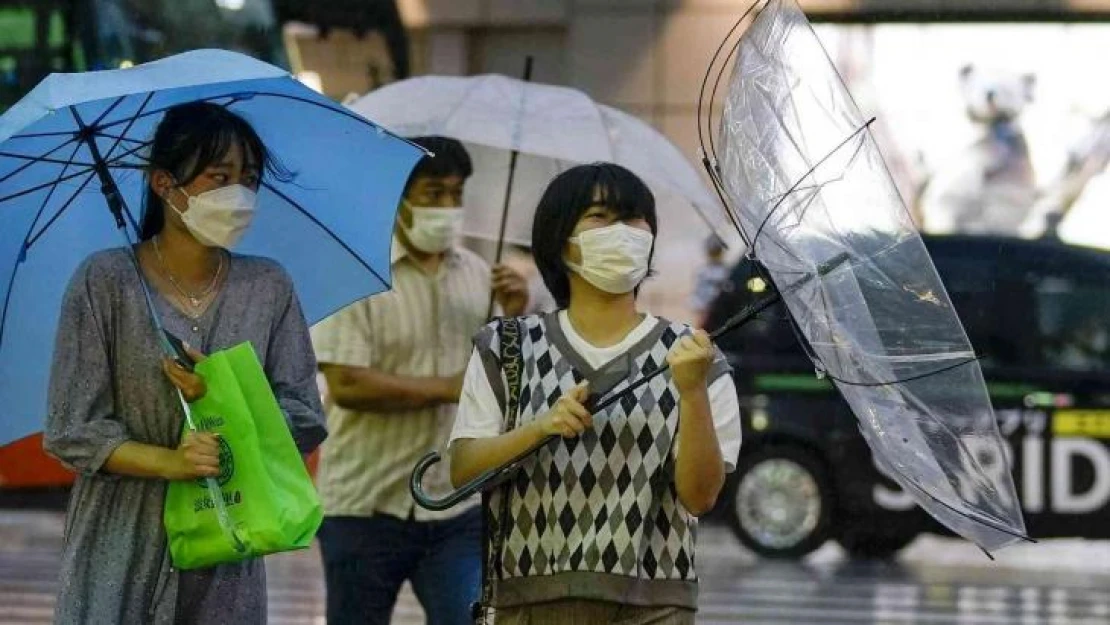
(599, 527)
(393, 365)
(117, 421)
(710, 278)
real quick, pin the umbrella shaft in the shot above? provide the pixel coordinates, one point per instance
(107, 183)
(508, 193)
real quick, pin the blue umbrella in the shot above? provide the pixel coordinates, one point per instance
(71, 182)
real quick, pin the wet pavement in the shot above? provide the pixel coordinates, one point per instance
(935, 581)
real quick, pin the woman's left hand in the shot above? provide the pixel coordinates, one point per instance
(690, 359)
(192, 386)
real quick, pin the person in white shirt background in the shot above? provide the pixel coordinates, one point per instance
(393, 366)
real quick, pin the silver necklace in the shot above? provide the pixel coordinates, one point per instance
(194, 299)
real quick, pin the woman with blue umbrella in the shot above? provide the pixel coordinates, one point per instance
(119, 425)
(194, 139)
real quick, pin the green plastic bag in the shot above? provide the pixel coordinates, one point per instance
(263, 500)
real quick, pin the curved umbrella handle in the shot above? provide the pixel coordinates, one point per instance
(489, 479)
(417, 489)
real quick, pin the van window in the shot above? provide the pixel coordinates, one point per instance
(1073, 316)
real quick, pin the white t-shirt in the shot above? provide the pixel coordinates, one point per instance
(479, 414)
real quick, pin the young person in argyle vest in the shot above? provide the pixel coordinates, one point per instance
(598, 527)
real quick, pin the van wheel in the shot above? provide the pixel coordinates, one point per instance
(782, 502)
(874, 543)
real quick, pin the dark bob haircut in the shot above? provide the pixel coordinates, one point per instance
(451, 159)
(564, 202)
(192, 137)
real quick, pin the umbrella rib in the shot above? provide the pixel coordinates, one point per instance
(759, 231)
(795, 186)
(27, 243)
(126, 129)
(118, 160)
(46, 201)
(31, 240)
(66, 133)
(107, 111)
(43, 159)
(8, 176)
(118, 138)
(31, 228)
(42, 135)
(59, 161)
(122, 165)
(45, 185)
(470, 88)
(108, 135)
(817, 188)
(130, 119)
(329, 232)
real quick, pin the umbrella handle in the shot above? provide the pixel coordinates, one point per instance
(487, 480)
(496, 475)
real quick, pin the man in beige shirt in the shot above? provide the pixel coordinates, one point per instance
(393, 365)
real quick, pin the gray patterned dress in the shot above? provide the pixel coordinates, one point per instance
(107, 387)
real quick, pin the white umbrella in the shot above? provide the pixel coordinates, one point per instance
(552, 128)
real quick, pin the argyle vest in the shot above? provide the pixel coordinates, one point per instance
(597, 516)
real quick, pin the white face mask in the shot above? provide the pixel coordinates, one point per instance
(433, 230)
(220, 217)
(614, 258)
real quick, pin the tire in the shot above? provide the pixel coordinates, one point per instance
(874, 543)
(781, 504)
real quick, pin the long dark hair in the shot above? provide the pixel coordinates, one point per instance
(189, 139)
(566, 200)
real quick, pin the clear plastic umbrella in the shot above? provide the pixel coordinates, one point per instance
(807, 184)
(552, 128)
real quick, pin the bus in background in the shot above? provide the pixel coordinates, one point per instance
(42, 36)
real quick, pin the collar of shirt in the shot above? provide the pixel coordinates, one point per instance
(399, 252)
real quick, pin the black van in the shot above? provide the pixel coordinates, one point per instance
(1039, 314)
